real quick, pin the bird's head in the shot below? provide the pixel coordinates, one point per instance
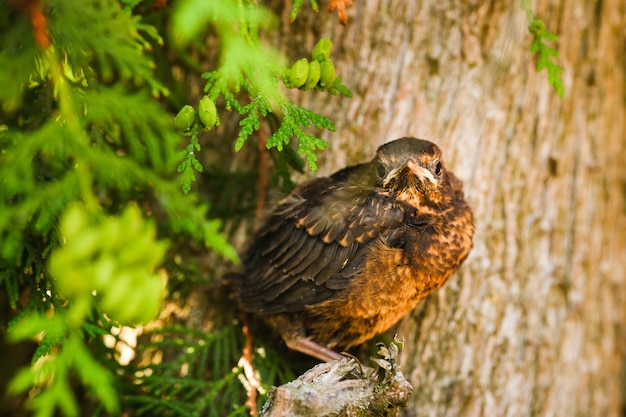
(412, 170)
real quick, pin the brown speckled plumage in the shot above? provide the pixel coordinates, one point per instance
(344, 258)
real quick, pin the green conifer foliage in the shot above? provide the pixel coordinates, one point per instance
(87, 155)
(91, 204)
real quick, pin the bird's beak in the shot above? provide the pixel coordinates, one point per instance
(420, 172)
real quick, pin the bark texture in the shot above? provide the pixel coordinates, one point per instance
(341, 388)
(533, 324)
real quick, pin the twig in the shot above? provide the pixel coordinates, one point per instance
(262, 182)
(248, 369)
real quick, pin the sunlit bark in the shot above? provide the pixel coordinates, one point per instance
(534, 322)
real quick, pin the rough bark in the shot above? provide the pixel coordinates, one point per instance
(534, 322)
(343, 387)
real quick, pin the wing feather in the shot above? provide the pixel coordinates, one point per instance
(310, 237)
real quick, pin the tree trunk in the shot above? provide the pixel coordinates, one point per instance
(534, 322)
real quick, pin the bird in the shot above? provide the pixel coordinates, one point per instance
(345, 257)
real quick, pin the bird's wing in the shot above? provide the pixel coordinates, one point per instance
(311, 236)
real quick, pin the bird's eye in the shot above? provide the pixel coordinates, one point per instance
(438, 168)
(380, 170)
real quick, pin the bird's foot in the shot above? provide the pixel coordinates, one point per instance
(309, 347)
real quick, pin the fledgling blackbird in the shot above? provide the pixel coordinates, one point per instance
(344, 258)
